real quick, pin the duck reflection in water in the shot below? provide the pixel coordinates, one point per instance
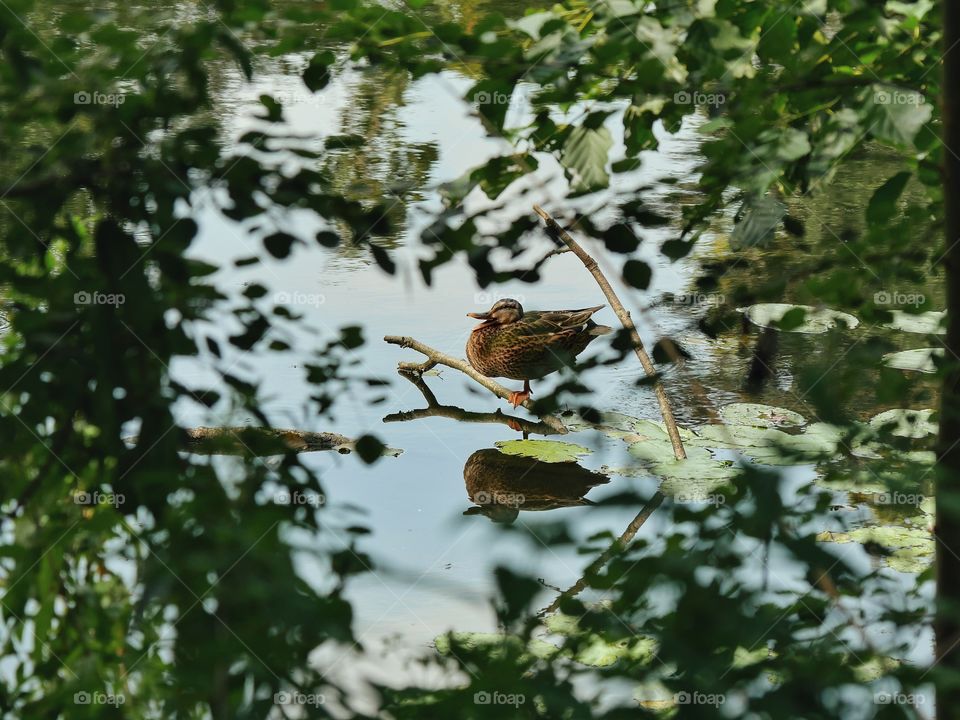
(502, 485)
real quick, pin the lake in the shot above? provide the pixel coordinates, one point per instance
(433, 559)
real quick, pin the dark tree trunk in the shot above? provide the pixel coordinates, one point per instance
(947, 670)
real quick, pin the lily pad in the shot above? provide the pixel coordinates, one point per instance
(897, 471)
(925, 323)
(627, 427)
(919, 359)
(815, 320)
(905, 423)
(691, 480)
(759, 415)
(546, 450)
(594, 650)
(911, 547)
(495, 644)
(771, 446)
(591, 649)
(732, 436)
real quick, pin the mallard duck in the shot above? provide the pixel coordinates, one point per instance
(502, 485)
(527, 346)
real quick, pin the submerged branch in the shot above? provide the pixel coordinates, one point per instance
(435, 357)
(264, 441)
(621, 312)
(435, 409)
(616, 546)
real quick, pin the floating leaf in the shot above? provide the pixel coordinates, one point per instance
(770, 446)
(493, 644)
(815, 320)
(545, 450)
(905, 423)
(911, 547)
(760, 415)
(629, 428)
(925, 323)
(690, 479)
(594, 650)
(919, 359)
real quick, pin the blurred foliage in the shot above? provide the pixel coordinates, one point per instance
(111, 140)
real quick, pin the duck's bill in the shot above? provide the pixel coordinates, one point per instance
(479, 316)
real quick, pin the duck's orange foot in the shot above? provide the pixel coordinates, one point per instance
(518, 397)
(514, 425)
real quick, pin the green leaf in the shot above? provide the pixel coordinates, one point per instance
(760, 219)
(895, 116)
(317, 74)
(279, 244)
(369, 448)
(637, 273)
(883, 203)
(491, 98)
(328, 239)
(758, 415)
(383, 259)
(584, 156)
(255, 291)
(545, 450)
(620, 239)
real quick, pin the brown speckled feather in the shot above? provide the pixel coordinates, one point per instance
(536, 345)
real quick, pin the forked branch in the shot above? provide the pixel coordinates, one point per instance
(435, 357)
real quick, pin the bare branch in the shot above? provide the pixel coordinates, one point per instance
(627, 322)
(435, 357)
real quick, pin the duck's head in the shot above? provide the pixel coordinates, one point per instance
(503, 312)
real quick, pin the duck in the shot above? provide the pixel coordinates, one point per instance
(519, 345)
(501, 485)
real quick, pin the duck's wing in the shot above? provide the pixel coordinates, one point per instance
(553, 321)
